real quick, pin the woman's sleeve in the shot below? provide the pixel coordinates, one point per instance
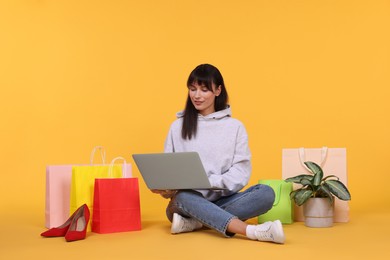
(237, 176)
(168, 145)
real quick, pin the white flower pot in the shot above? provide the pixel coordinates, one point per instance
(318, 212)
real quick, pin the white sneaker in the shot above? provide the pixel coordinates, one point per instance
(271, 231)
(181, 224)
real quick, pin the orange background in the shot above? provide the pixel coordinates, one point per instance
(76, 74)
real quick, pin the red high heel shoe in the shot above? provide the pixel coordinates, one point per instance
(78, 227)
(61, 230)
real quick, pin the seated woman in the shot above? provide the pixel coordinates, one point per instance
(206, 126)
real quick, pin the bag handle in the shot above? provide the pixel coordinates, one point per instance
(277, 194)
(302, 156)
(102, 154)
(124, 167)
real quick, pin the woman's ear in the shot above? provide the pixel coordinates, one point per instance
(218, 91)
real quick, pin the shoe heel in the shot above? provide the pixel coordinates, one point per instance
(78, 228)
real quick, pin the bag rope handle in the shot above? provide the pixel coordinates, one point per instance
(277, 194)
(124, 167)
(102, 154)
(302, 156)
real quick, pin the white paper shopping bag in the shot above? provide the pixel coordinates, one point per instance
(333, 161)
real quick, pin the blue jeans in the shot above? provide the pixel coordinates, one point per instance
(217, 215)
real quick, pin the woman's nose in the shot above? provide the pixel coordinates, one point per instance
(197, 94)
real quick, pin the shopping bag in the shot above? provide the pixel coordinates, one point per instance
(83, 180)
(116, 204)
(333, 161)
(58, 183)
(283, 207)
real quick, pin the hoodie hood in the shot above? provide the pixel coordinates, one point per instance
(216, 115)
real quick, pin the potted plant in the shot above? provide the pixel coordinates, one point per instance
(316, 194)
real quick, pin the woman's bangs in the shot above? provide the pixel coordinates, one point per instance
(201, 81)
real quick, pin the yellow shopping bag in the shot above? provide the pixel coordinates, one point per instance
(83, 180)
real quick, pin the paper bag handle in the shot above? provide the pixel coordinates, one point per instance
(102, 154)
(124, 167)
(277, 194)
(302, 156)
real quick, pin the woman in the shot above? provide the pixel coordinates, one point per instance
(206, 126)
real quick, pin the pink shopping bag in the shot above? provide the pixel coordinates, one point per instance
(333, 161)
(58, 186)
(58, 179)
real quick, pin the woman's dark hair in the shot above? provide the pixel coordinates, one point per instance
(203, 75)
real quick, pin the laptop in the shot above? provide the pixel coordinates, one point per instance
(173, 171)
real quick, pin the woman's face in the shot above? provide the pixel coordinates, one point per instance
(202, 98)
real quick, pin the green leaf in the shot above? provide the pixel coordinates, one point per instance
(305, 182)
(313, 167)
(301, 196)
(298, 179)
(338, 189)
(324, 190)
(292, 194)
(317, 171)
(331, 176)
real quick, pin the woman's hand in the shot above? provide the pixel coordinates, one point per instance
(167, 194)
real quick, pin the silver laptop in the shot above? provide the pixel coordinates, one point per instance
(173, 171)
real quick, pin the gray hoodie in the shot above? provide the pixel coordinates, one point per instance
(222, 144)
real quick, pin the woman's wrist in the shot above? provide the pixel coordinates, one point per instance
(168, 194)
